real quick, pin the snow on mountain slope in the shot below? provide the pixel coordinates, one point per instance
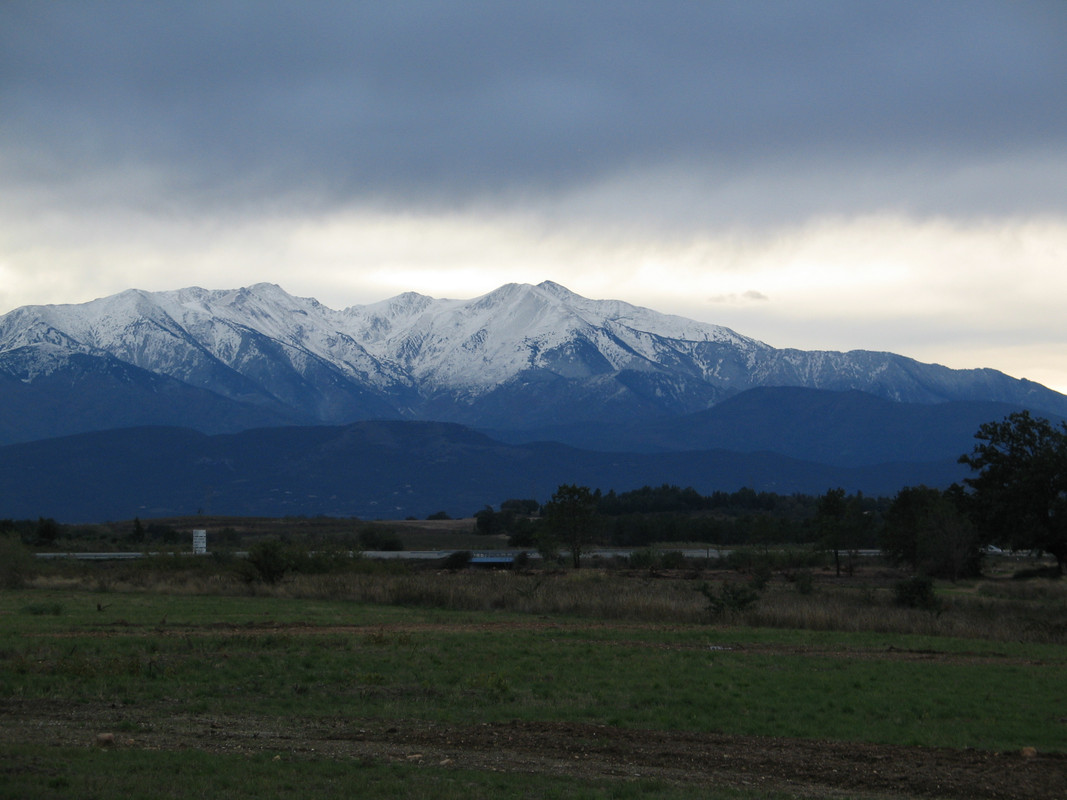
(477, 344)
(458, 344)
(538, 353)
(191, 333)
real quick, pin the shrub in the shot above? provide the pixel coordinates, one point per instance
(47, 531)
(548, 547)
(761, 575)
(461, 559)
(642, 559)
(269, 561)
(16, 562)
(743, 559)
(917, 592)
(673, 559)
(731, 597)
(804, 582)
(1036, 572)
(158, 532)
(376, 539)
(650, 559)
(524, 534)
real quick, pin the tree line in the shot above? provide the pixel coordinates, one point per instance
(1016, 499)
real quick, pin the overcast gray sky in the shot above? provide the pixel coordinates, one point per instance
(823, 175)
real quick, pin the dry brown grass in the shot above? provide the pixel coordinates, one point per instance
(991, 609)
(606, 595)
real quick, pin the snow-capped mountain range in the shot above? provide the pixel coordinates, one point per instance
(522, 356)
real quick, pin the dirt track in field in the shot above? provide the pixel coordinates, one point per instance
(799, 767)
(802, 768)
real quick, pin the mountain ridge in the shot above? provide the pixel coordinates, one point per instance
(838, 428)
(521, 356)
(253, 401)
(372, 470)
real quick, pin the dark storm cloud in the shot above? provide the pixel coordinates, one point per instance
(439, 102)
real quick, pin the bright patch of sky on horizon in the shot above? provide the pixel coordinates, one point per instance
(831, 175)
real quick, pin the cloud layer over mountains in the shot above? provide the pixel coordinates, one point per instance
(836, 175)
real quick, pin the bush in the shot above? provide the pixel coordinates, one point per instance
(917, 592)
(732, 597)
(743, 559)
(1053, 573)
(461, 559)
(158, 532)
(524, 534)
(16, 562)
(548, 547)
(47, 531)
(804, 582)
(761, 575)
(377, 539)
(673, 559)
(651, 559)
(269, 561)
(642, 559)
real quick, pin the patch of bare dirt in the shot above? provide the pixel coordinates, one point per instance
(802, 768)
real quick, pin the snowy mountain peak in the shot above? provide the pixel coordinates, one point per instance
(554, 288)
(403, 305)
(521, 354)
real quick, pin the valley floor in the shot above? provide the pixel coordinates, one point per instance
(782, 766)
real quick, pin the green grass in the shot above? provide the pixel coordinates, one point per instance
(277, 658)
(60, 773)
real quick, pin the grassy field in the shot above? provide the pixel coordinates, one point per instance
(140, 775)
(387, 684)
